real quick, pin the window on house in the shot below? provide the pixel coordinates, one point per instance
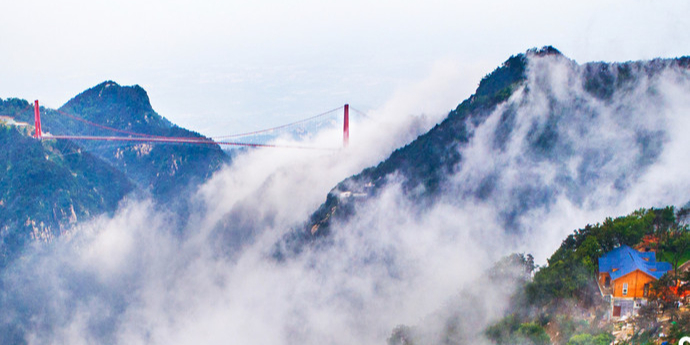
(625, 289)
(607, 282)
(645, 292)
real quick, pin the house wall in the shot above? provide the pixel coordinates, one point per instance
(635, 280)
(602, 279)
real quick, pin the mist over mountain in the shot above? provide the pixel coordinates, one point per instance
(49, 186)
(539, 128)
(544, 146)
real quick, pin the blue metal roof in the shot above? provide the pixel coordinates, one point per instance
(624, 260)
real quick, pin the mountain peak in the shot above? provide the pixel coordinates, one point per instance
(115, 87)
(110, 92)
(544, 51)
(125, 107)
(107, 83)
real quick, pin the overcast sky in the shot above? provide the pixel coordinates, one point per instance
(222, 67)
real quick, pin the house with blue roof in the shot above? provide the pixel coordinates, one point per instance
(627, 274)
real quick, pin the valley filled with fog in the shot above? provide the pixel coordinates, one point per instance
(558, 154)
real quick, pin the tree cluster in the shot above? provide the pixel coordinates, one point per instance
(569, 279)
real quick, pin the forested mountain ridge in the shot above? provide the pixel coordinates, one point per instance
(429, 160)
(122, 107)
(160, 168)
(156, 168)
(557, 121)
(47, 186)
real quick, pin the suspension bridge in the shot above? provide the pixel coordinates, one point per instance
(257, 138)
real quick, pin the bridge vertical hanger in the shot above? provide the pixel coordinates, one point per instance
(346, 126)
(37, 120)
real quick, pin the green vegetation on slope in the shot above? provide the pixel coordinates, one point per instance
(563, 294)
(164, 169)
(47, 186)
(430, 159)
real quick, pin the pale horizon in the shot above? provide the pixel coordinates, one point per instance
(225, 67)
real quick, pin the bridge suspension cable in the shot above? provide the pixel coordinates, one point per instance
(272, 129)
(132, 136)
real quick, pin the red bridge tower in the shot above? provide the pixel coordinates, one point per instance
(346, 126)
(37, 121)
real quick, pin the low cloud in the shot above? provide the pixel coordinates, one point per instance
(129, 279)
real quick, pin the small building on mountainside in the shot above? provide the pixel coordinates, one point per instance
(625, 277)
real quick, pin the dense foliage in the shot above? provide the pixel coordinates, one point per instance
(570, 269)
(566, 286)
(510, 330)
(47, 186)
